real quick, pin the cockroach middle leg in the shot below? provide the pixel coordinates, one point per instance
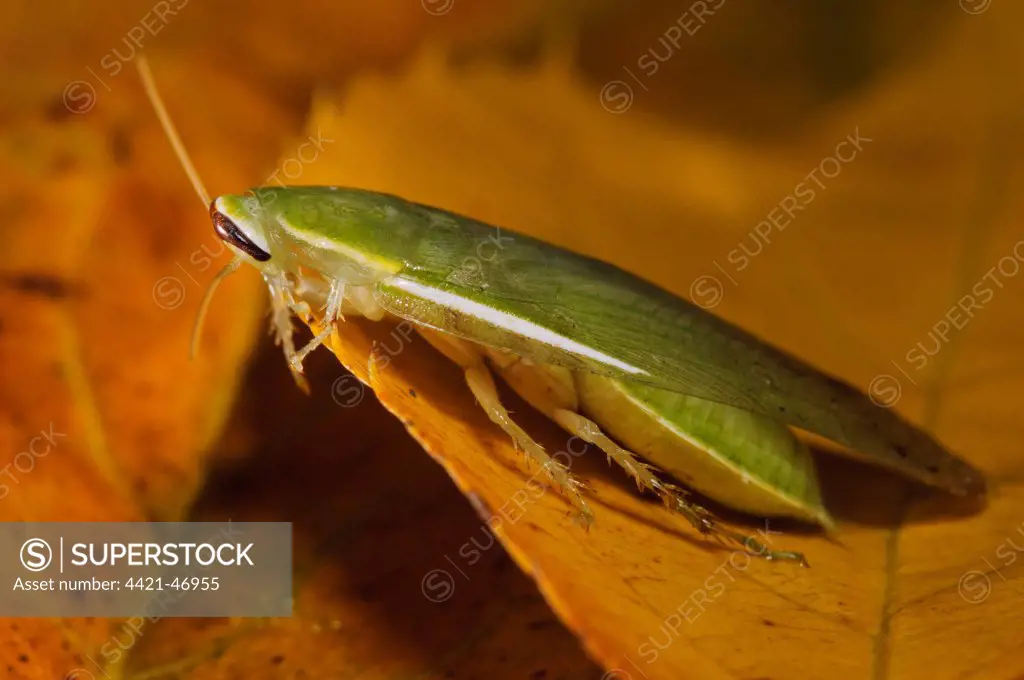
(642, 473)
(481, 384)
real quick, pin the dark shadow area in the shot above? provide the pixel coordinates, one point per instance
(383, 541)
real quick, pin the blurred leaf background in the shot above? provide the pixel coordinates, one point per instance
(542, 117)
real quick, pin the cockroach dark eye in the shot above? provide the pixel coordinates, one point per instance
(229, 232)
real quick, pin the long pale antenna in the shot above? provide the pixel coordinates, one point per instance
(197, 328)
(149, 84)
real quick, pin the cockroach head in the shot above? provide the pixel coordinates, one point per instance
(238, 222)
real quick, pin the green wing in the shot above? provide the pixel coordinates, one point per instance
(653, 336)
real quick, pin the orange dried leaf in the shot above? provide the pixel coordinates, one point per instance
(100, 275)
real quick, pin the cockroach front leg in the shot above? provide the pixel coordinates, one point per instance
(282, 306)
(332, 313)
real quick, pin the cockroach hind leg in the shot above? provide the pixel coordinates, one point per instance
(675, 498)
(704, 522)
(481, 384)
(643, 474)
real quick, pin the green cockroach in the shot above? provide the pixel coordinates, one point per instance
(611, 358)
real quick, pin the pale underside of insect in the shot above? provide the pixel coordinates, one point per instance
(664, 388)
